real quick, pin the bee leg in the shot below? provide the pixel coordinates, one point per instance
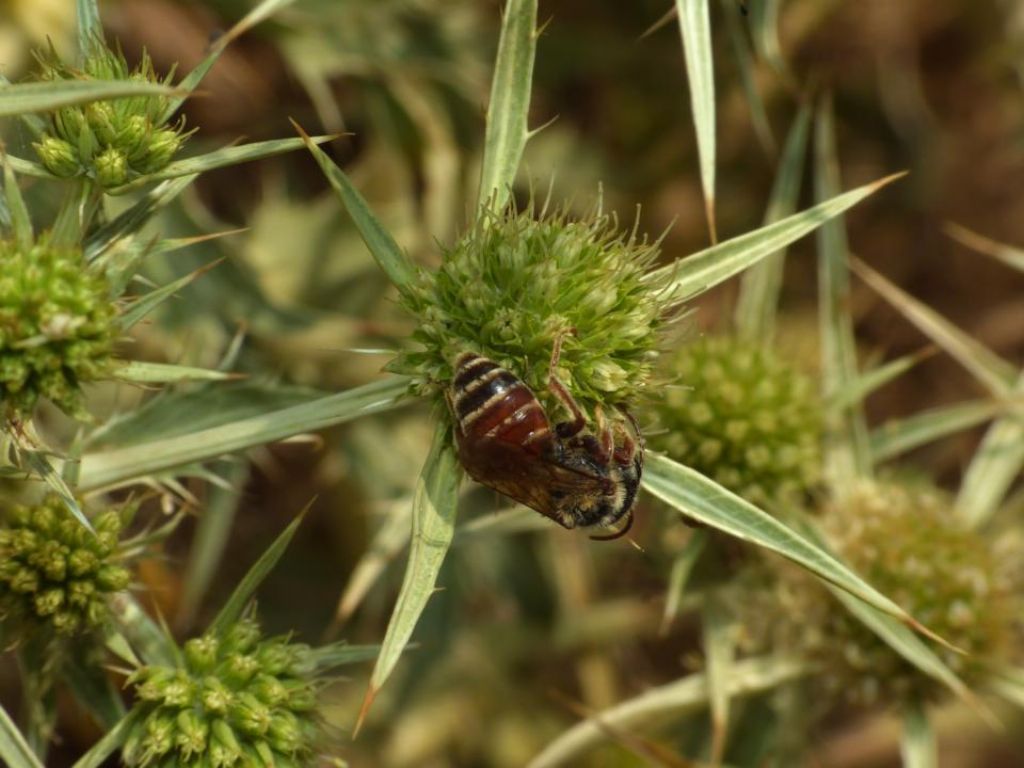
(619, 533)
(451, 408)
(607, 439)
(631, 443)
(564, 429)
(625, 451)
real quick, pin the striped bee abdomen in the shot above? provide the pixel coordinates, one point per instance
(489, 401)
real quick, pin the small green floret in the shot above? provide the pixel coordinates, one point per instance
(235, 700)
(906, 543)
(111, 142)
(742, 416)
(57, 327)
(515, 283)
(55, 575)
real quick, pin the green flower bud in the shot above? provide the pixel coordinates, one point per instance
(241, 637)
(108, 139)
(202, 652)
(251, 715)
(191, 739)
(111, 168)
(101, 119)
(743, 417)
(113, 578)
(158, 150)
(57, 326)
(57, 156)
(216, 696)
(285, 733)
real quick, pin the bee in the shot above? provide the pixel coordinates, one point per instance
(506, 442)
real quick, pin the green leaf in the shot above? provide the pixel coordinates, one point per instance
(1008, 683)
(764, 29)
(389, 539)
(95, 691)
(188, 84)
(113, 740)
(90, 28)
(748, 79)
(691, 276)
(847, 450)
(507, 133)
(996, 464)
(13, 748)
(761, 284)
(901, 435)
(149, 640)
(108, 468)
(857, 390)
(994, 373)
(82, 200)
(146, 303)
(40, 464)
(50, 95)
(29, 168)
(719, 648)
(329, 657)
(239, 599)
(1012, 257)
(671, 702)
(918, 746)
(382, 246)
(183, 411)
(705, 501)
(695, 26)
(210, 540)
(434, 506)
(21, 223)
(160, 373)
(682, 566)
(132, 220)
(220, 158)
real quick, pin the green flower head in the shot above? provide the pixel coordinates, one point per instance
(57, 326)
(55, 575)
(517, 282)
(234, 700)
(743, 417)
(111, 142)
(906, 543)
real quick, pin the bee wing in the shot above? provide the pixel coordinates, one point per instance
(532, 480)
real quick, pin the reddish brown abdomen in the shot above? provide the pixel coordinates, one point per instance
(491, 402)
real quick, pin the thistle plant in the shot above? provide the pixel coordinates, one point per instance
(743, 416)
(55, 575)
(907, 540)
(513, 284)
(110, 142)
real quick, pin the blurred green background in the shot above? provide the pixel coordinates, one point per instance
(529, 621)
